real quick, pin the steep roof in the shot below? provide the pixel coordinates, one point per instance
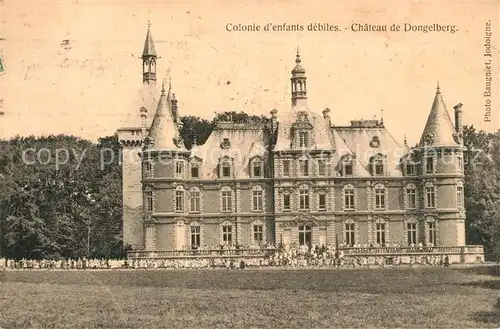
(146, 97)
(439, 129)
(164, 134)
(321, 138)
(149, 45)
(363, 142)
(244, 142)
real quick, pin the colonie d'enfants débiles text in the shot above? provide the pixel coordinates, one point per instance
(327, 27)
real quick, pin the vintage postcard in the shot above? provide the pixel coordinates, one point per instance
(249, 164)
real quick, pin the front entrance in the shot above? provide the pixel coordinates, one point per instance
(305, 235)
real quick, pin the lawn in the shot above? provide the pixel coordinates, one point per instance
(373, 298)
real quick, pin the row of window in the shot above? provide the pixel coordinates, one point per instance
(305, 234)
(227, 236)
(377, 167)
(349, 199)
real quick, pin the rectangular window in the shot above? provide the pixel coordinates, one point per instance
(257, 200)
(258, 234)
(321, 168)
(322, 201)
(305, 235)
(304, 167)
(195, 201)
(460, 161)
(429, 165)
(349, 235)
(286, 168)
(410, 169)
(303, 139)
(227, 234)
(286, 202)
(460, 196)
(195, 172)
(379, 199)
(411, 232)
(379, 167)
(195, 236)
(430, 200)
(303, 199)
(432, 233)
(149, 200)
(348, 169)
(179, 200)
(226, 170)
(349, 199)
(257, 169)
(411, 198)
(148, 167)
(380, 230)
(226, 201)
(179, 168)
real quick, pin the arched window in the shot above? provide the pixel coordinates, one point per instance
(410, 196)
(381, 232)
(378, 165)
(179, 198)
(349, 197)
(380, 192)
(195, 200)
(346, 165)
(257, 167)
(226, 167)
(350, 229)
(411, 226)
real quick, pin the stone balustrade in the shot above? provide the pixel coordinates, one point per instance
(457, 254)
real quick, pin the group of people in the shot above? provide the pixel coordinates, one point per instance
(290, 256)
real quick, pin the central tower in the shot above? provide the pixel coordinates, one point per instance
(298, 81)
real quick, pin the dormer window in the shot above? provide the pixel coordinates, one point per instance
(195, 171)
(378, 165)
(346, 166)
(410, 169)
(226, 170)
(226, 167)
(303, 139)
(256, 168)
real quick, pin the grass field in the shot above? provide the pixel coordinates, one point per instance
(374, 298)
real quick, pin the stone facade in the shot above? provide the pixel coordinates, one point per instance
(297, 179)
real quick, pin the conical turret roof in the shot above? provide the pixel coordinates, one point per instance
(164, 134)
(149, 45)
(439, 129)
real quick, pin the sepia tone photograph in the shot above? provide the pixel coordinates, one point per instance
(249, 164)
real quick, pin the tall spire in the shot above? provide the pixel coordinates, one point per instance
(298, 83)
(439, 130)
(149, 58)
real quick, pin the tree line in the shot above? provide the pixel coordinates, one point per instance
(75, 209)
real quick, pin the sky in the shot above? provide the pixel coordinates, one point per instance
(85, 87)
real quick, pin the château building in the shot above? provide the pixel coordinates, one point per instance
(299, 179)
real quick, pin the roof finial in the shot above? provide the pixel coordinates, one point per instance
(438, 90)
(163, 87)
(382, 116)
(297, 59)
(149, 23)
(405, 141)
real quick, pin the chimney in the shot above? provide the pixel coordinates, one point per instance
(326, 116)
(274, 120)
(144, 115)
(175, 114)
(459, 126)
